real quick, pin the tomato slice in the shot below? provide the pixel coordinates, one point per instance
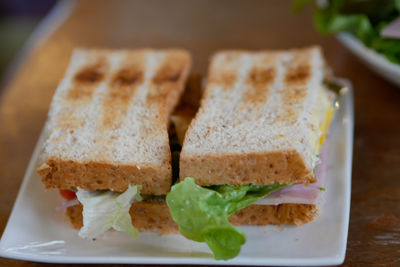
(67, 194)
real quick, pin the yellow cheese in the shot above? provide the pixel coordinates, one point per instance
(324, 127)
(321, 117)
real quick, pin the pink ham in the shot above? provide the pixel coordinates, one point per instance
(300, 193)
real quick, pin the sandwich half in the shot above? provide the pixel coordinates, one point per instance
(251, 154)
(107, 138)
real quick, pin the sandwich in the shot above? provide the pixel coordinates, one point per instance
(252, 154)
(107, 146)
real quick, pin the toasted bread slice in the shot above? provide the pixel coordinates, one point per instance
(255, 121)
(154, 216)
(107, 124)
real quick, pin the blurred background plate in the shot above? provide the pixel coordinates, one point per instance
(375, 61)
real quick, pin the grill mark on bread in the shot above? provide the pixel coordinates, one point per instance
(121, 90)
(169, 73)
(224, 78)
(299, 69)
(128, 76)
(167, 77)
(292, 96)
(224, 70)
(86, 79)
(67, 121)
(298, 75)
(259, 81)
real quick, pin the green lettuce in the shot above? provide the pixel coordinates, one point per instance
(106, 209)
(364, 19)
(202, 213)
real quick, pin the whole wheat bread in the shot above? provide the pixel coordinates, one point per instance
(107, 124)
(150, 216)
(254, 124)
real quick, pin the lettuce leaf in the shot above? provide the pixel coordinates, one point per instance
(364, 19)
(106, 209)
(202, 213)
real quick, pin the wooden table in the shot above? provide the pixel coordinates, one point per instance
(204, 27)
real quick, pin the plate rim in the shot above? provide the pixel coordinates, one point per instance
(357, 47)
(375, 61)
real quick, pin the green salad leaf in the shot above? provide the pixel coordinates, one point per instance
(106, 209)
(202, 213)
(364, 19)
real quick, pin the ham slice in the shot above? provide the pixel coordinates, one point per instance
(300, 193)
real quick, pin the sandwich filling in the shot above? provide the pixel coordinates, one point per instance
(202, 212)
(310, 193)
(105, 209)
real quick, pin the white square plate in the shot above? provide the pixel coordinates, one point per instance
(36, 231)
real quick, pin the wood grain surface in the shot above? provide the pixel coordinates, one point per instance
(204, 27)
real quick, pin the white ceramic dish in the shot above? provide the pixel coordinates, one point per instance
(36, 231)
(376, 62)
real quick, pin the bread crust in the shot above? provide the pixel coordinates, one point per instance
(246, 168)
(297, 214)
(150, 216)
(66, 174)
